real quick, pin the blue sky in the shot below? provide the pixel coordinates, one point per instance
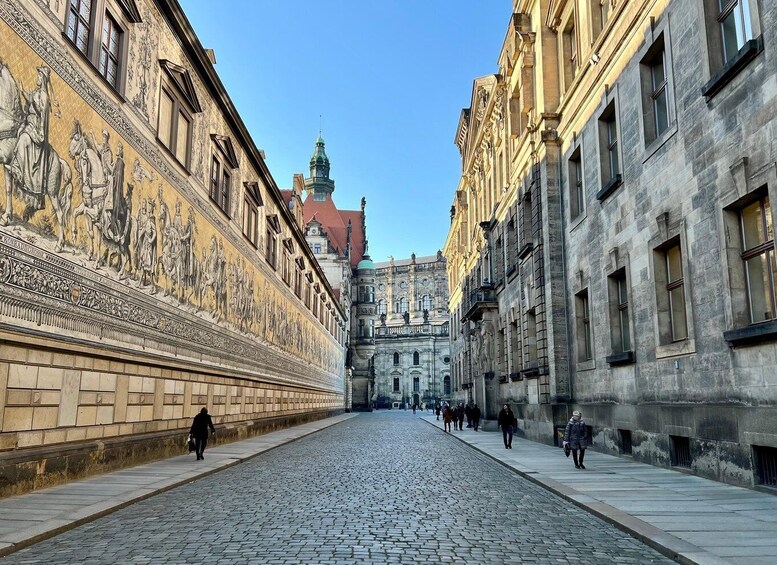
(389, 78)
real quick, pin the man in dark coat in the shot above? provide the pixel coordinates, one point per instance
(576, 437)
(460, 415)
(202, 422)
(475, 415)
(506, 421)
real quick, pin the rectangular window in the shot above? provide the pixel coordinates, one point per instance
(317, 248)
(659, 93)
(612, 147)
(758, 259)
(109, 50)
(78, 21)
(250, 220)
(271, 249)
(576, 194)
(655, 90)
(584, 333)
(735, 26)
(220, 184)
(599, 10)
(416, 384)
(675, 289)
(175, 127)
(569, 48)
(396, 384)
(531, 338)
(298, 283)
(619, 312)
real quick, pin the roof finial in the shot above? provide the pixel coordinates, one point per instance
(320, 127)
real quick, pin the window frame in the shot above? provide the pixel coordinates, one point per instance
(179, 107)
(584, 327)
(576, 183)
(766, 248)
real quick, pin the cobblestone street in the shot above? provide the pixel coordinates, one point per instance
(379, 488)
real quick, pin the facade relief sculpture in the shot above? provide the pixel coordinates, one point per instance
(69, 190)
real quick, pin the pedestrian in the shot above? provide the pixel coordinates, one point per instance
(475, 413)
(460, 415)
(507, 421)
(576, 437)
(437, 410)
(447, 418)
(468, 414)
(414, 407)
(199, 431)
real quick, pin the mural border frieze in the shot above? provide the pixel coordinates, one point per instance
(41, 289)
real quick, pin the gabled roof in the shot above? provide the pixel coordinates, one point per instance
(335, 223)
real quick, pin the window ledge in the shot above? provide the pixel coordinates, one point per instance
(731, 69)
(685, 347)
(752, 335)
(489, 375)
(512, 273)
(503, 378)
(588, 365)
(525, 250)
(516, 377)
(623, 358)
(610, 187)
(577, 220)
(653, 147)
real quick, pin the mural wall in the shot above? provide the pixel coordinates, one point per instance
(101, 240)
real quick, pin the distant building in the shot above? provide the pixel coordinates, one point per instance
(412, 349)
(611, 246)
(338, 240)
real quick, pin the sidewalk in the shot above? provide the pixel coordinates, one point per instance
(688, 518)
(41, 514)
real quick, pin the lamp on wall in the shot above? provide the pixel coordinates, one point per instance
(595, 58)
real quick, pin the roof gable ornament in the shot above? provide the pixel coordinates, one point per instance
(183, 82)
(227, 148)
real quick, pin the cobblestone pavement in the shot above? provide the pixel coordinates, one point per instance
(380, 488)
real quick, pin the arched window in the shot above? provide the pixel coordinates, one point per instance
(446, 385)
(416, 358)
(402, 305)
(382, 307)
(426, 302)
(396, 359)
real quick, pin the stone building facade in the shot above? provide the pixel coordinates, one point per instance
(412, 347)
(149, 264)
(338, 240)
(611, 245)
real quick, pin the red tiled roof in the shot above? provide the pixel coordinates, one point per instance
(335, 224)
(287, 195)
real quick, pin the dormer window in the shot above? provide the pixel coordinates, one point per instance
(177, 103)
(223, 161)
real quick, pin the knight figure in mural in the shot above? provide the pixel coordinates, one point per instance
(145, 244)
(32, 168)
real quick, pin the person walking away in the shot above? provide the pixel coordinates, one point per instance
(437, 411)
(202, 422)
(576, 436)
(447, 418)
(475, 414)
(507, 421)
(460, 415)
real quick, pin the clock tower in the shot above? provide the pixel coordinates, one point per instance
(319, 182)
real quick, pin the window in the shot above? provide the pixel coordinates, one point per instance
(531, 338)
(298, 282)
(220, 183)
(570, 63)
(416, 358)
(735, 26)
(515, 347)
(758, 259)
(402, 305)
(583, 319)
(174, 129)
(317, 248)
(600, 13)
(675, 289)
(446, 385)
(396, 384)
(109, 50)
(619, 312)
(78, 18)
(576, 194)
(250, 220)
(271, 247)
(396, 359)
(426, 302)
(362, 329)
(613, 165)
(609, 151)
(655, 91)
(382, 310)
(416, 384)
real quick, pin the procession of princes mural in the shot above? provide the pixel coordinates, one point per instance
(87, 204)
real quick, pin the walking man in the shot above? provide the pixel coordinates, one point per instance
(475, 414)
(506, 421)
(202, 422)
(576, 437)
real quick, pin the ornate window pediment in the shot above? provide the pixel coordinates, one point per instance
(272, 221)
(252, 189)
(183, 82)
(227, 148)
(130, 10)
(288, 244)
(300, 262)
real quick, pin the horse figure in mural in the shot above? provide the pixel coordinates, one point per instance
(94, 187)
(32, 169)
